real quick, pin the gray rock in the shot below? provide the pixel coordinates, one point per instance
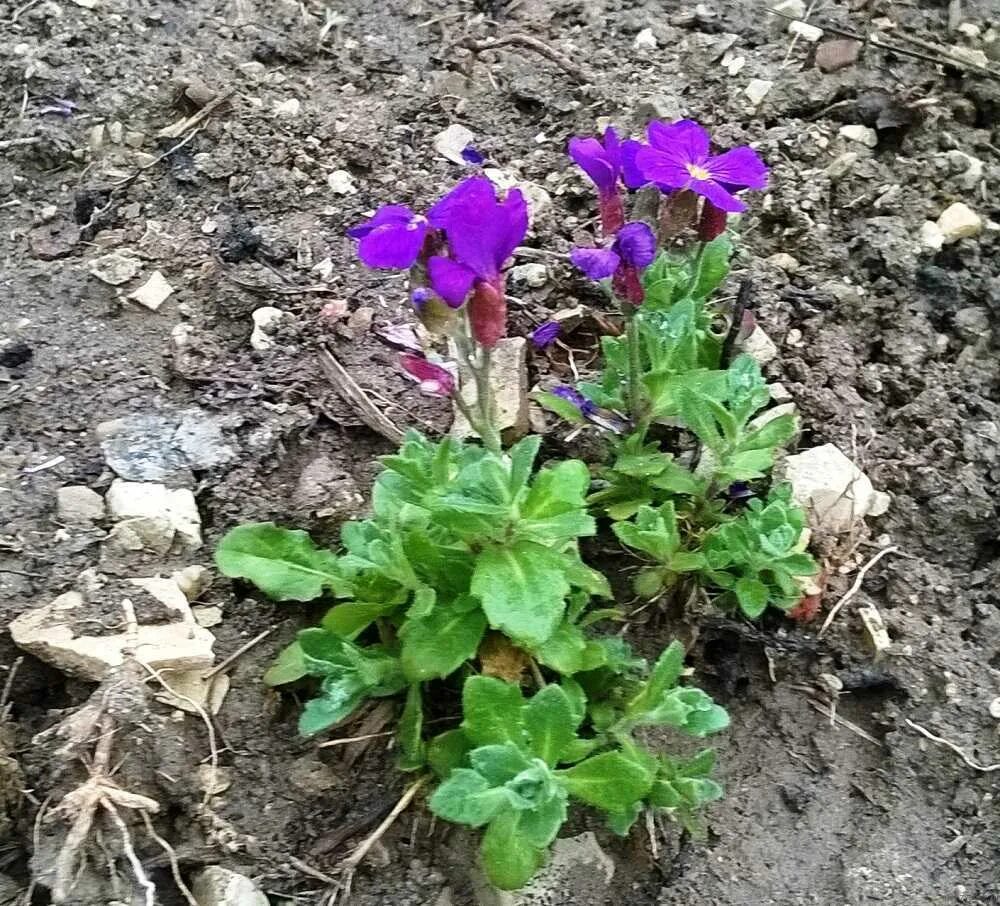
(76, 503)
(532, 274)
(164, 447)
(579, 873)
(217, 886)
(115, 268)
(325, 489)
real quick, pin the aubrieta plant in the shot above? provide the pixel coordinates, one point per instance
(467, 583)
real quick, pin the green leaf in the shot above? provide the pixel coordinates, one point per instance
(620, 822)
(696, 415)
(523, 589)
(776, 433)
(610, 781)
(499, 763)
(752, 595)
(339, 697)
(564, 650)
(466, 797)
(549, 720)
(448, 751)
(664, 677)
(413, 755)
(713, 266)
(439, 644)
(289, 666)
(540, 826)
(492, 711)
(348, 620)
(563, 408)
(508, 857)
(522, 459)
(284, 564)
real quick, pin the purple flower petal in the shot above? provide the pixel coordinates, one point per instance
(475, 191)
(661, 168)
(433, 379)
(572, 395)
(630, 172)
(471, 156)
(393, 245)
(722, 199)
(590, 156)
(483, 232)
(420, 297)
(451, 281)
(595, 263)
(545, 334)
(686, 142)
(636, 244)
(740, 168)
(389, 213)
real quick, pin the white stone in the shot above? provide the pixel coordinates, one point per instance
(864, 135)
(115, 268)
(532, 274)
(842, 165)
(757, 90)
(265, 321)
(148, 500)
(341, 182)
(968, 170)
(143, 533)
(759, 346)
(786, 262)
(193, 580)
(76, 503)
(510, 384)
(834, 490)
(959, 221)
(779, 393)
(733, 62)
(794, 8)
(291, 107)
(970, 30)
(48, 633)
(806, 31)
(153, 293)
(207, 615)
(452, 141)
(931, 237)
(645, 40)
(209, 226)
(217, 886)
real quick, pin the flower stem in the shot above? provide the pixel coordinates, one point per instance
(480, 416)
(636, 403)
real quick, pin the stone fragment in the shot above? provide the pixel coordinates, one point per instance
(52, 632)
(931, 237)
(783, 260)
(291, 107)
(832, 56)
(863, 135)
(759, 346)
(779, 393)
(324, 488)
(193, 580)
(842, 165)
(153, 293)
(757, 90)
(834, 490)
(341, 182)
(76, 503)
(207, 615)
(53, 240)
(805, 30)
(115, 268)
(189, 690)
(129, 500)
(645, 40)
(265, 322)
(452, 141)
(959, 221)
(218, 886)
(532, 274)
(510, 384)
(878, 636)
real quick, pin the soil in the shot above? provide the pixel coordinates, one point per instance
(889, 350)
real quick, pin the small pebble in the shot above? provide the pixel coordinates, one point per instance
(757, 90)
(864, 135)
(959, 221)
(645, 40)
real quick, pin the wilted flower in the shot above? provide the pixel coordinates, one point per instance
(433, 379)
(545, 334)
(634, 248)
(678, 157)
(572, 395)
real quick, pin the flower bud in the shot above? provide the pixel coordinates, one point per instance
(488, 314)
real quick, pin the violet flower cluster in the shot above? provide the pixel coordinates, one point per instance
(676, 159)
(455, 254)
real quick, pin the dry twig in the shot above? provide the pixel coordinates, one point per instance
(238, 653)
(855, 588)
(537, 45)
(348, 388)
(941, 741)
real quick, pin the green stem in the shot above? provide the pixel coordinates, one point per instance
(636, 403)
(696, 267)
(481, 416)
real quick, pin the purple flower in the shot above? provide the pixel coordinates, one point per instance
(393, 238)
(572, 395)
(602, 162)
(545, 334)
(678, 157)
(634, 246)
(433, 379)
(471, 156)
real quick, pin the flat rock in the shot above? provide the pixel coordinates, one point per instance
(153, 293)
(51, 632)
(55, 240)
(759, 346)
(115, 268)
(165, 447)
(510, 385)
(959, 221)
(218, 886)
(579, 873)
(863, 135)
(77, 503)
(834, 490)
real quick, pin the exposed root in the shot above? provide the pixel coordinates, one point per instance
(947, 743)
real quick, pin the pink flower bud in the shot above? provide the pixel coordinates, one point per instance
(433, 379)
(488, 314)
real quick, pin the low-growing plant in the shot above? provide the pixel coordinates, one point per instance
(672, 498)
(467, 578)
